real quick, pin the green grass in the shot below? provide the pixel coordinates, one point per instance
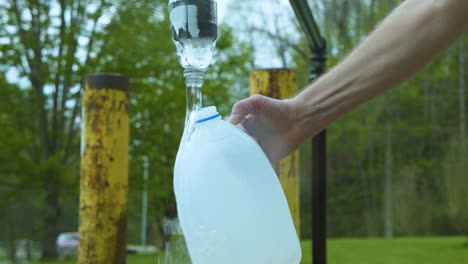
(3, 257)
(424, 250)
(427, 250)
(131, 259)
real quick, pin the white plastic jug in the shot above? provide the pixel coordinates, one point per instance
(231, 206)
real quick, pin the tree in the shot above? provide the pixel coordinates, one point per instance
(456, 185)
(52, 45)
(456, 155)
(13, 142)
(462, 90)
(421, 120)
(274, 43)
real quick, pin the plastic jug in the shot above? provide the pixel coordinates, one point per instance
(231, 206)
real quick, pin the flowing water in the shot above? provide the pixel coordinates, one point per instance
(175, 250)
(194, 103)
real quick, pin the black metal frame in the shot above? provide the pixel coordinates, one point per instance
(319, 160)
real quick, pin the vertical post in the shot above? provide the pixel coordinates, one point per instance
(104, 170)
(144, 201)
(281, 84)
(388, 205)
(461, 93)
(319, 172)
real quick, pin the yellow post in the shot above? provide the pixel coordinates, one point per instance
(281, 84)
(104, 170)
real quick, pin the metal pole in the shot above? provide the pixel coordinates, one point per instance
(104, 170)
(319, 162)
(281, 84)
(144, 205)
(319, 172)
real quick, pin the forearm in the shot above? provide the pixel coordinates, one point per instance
(408, 39)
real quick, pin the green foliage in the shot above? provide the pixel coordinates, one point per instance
(423, 114)
(455, 168)
(39, 111)
(39, 117)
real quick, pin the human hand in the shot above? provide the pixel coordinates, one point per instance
(272, 123)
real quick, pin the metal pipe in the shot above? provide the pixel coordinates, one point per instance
(104, 170)
(306, 19)
(319, 172)
(281, 84)
(319, 162)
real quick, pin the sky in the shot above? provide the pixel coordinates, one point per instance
(223, 5)
(266, 7)
(265, 57)
(263, 13)
(222, 8)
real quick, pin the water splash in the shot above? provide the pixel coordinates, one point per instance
(175, 250)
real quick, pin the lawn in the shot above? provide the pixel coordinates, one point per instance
(425, 250)
(131, 259)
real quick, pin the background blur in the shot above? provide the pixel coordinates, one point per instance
(397, 166)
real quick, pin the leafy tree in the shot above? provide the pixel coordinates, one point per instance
(51, 46)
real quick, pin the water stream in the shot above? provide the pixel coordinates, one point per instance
(175, 249)
(194, 103)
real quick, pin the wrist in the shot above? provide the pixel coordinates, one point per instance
(307, 117)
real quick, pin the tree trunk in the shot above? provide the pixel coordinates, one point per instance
(51, 216)
(28, 248)
(11, 232)
(373, 187)
(461, 78)
(388, 183)
(462, 87)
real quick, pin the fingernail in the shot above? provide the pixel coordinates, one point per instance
(233, 119)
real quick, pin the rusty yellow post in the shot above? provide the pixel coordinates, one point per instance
(281, 84)
(104, 170)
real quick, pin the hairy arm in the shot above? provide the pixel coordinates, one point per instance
(408, 39)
